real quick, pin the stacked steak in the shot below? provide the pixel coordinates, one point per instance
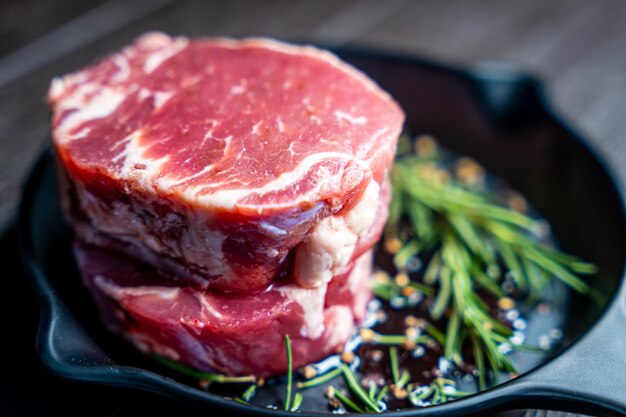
(225, 194)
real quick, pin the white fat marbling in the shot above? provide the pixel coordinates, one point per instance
(312, 303)
(329, 246)
(164, 53)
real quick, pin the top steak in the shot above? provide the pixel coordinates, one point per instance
(224, 155)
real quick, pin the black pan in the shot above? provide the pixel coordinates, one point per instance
(492, 113)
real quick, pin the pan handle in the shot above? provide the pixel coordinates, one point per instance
(589, 377)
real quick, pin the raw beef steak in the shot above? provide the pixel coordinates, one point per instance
(222, 156)
(229, 333)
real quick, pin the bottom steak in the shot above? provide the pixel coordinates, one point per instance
(231, 334)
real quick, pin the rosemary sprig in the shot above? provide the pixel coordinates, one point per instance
(468, 237)
(490, 231)
(289, 373)
(201, 375)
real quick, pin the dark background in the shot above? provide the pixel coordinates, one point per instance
(578, 47)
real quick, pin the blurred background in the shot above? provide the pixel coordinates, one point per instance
(577, 47)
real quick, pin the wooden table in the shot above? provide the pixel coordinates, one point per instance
(578, 47)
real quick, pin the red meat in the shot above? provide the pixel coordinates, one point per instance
(215, 159)
(229, 333)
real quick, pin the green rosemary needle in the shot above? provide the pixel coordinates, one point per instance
(201, 375)
(371, 337)
(372, 391)
(404, 379)
(407, 252)
(433, 332)
(314, 382)
(395, 369)
(479, 360)
(356, 388)
(438, 392)
(289, 373)
(297, 401)
(249, 393)
(348, 402)
(381, 394)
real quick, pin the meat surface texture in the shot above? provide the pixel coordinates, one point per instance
(216, 159)
(231, 333)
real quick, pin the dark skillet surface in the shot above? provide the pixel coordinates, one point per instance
(503, 123)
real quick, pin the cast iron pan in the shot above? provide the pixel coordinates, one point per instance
(492, 113)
